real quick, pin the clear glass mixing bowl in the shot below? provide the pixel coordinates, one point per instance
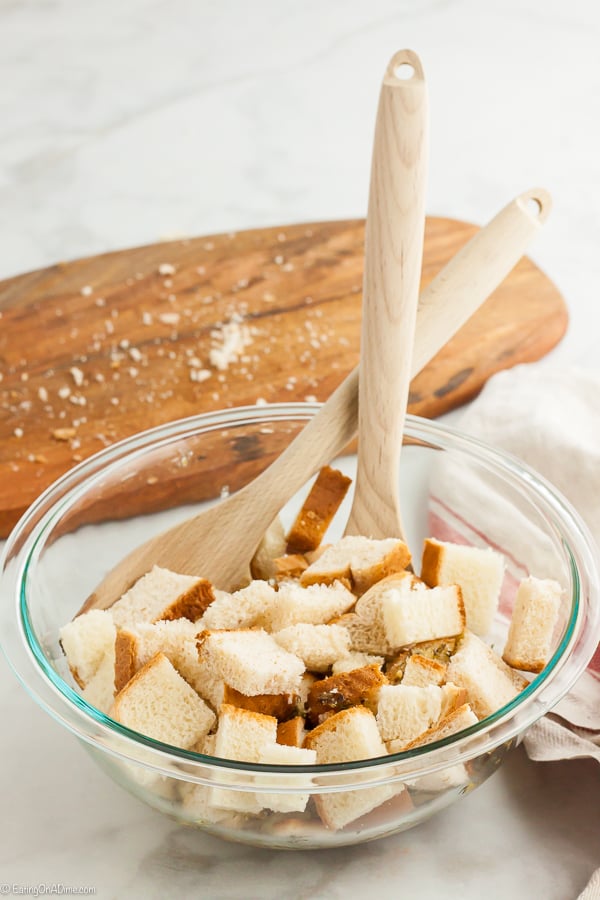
(452, 487)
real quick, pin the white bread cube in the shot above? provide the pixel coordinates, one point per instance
(158, 702)
(177, 640)
(134, 647)
(406, 711)
(418, 613)
(355, 660)
(243, 609)
(252, 662)
(486, 679)
(457, 720)
(358, 562)
(241, 735)
(421, 671)
(315, 605)
(351, 734)
(479, 572)
(282, 755)
(318, 646)
(535, 613)
(86, 641)
(365, 625)
(162, 594)
(100, 690)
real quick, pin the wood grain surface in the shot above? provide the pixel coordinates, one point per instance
(97, 349)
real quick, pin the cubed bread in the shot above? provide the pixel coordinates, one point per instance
(241, 735)
(285, 755)
(351, 734)
(100, 690)
(535, 613)
(272, 545)
(85, 642)
(476, 668)
(417, 613)
(406, 711)
(358, 562)
(134, 647)
(162, 594)
(158, 702)
(319, 508)
(318, 646)
(365, 637)
(479, 572)
(252, 662)
(246, 608)
(421, 671)
(316, 605)
(280, 706)
(292, 732)
(457, 720)
(355, 660)
(355, 688)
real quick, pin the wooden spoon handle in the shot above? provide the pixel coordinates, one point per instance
(394, 237)
(475, 272)
(444, 306)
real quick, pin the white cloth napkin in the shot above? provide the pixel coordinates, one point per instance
(550, 418)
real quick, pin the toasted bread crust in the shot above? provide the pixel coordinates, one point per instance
(292, 732)
(431, 562)
(318, 510)
(357, 687)
(525, 665)
(278, 706)
(391, 564)
(446, 726)
(192, 604)
(126, 654)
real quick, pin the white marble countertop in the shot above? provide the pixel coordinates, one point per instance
(124, 123)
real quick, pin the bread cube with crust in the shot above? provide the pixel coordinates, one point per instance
(358, 562)
(535, 613)
(351, 734)
(406, 711)
(479, 572)
(315, 605)
(250, 661)
(417, 613)
(355, 688)
(241, 735)
(319, 508)
(488, 681)
(162, 594)
(245, 608)
(158, 702)
(85, 641)
(318, 646)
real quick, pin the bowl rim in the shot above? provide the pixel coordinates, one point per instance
(63, 703)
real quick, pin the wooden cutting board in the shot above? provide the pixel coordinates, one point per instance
(94, 350)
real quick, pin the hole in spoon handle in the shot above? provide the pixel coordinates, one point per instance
(537, 203)
(404, 68)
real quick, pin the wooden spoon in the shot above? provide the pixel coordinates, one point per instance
(394, 235)
(219, 542)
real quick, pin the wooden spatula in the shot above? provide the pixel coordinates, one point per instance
(394, 234)
(219, 542)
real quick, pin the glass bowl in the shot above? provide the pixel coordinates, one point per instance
(451, 486)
